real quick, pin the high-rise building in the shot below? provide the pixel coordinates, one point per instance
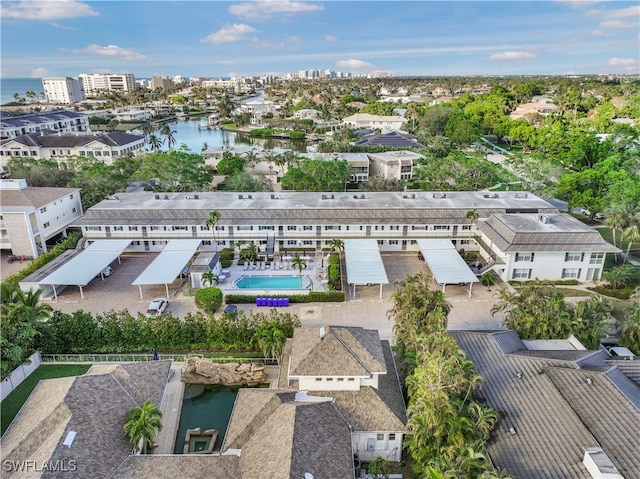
(95, 83)
(66, 90)
(163, 82)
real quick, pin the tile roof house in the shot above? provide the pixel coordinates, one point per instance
(364, 120)
(563, 413)
(393, 139)
(77, 423)
(355, 369)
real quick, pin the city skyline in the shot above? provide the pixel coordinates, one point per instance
(276, 37)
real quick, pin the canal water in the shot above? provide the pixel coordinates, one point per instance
(191, 134)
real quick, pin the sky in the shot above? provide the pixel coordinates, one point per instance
(213, 39)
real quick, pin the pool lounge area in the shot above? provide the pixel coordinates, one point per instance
(272, 282)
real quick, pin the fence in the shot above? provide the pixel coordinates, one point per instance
(20, 374)
(127, 358)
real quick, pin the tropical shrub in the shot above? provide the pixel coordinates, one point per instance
(209, 299)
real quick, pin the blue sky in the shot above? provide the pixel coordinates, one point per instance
(214, 38)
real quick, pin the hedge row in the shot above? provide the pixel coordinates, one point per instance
(312, 297)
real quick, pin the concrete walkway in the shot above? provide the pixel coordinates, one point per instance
(171, 407)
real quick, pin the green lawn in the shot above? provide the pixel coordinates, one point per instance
(14, 401)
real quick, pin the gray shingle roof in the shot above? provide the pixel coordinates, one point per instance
(342, 351)
(190, 466)
(113, 138)
(33, 197)
(393, 139)
(526, 232)
(550, 430)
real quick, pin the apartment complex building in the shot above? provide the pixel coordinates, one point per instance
(64, 121)
(65, 90)
(105, 146)
(518, 234)
(94, 83)
(29, 216)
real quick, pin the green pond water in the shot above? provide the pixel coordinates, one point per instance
(207, 407)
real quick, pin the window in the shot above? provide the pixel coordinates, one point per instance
(179, 228)
(380, 437)
(414, 227)
(392, 242)
(441, 227)
(94, 228)
(332, 228)
(265, 228)
(292, 243)
(46, 225)
(133, 228)
(307, 243)
(292, 228)
(521, 273)
(570, 273)
(392, 436)
(318, 379)
(466, 227)
(340, 379)
(43, 209)
(154, 228)
(204, 228)
(573, 257)
(71, 196)
(351, 379)
(381, 228)
(73, 210)
(244, 228)
(520, 257)
(596, 258)
(329, 379)
(118, 228)
(307, 228)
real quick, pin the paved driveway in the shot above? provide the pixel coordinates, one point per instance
(367, 309)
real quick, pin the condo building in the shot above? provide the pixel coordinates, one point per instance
(517, 234)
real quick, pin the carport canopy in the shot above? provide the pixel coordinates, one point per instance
(81, 269)
(364, 263)
(445, 263)
(169, 263)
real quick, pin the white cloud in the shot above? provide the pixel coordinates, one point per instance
(114, 51)
(230, 63)
(624, 12)
(294, 39)
(46, 11)
(579, 4)
(330, 38)
(265, 10)
(621, 62)
(511, 56)
(600, 33)
(229, 34)
(38, 72)
(353, 64)
(616, 24)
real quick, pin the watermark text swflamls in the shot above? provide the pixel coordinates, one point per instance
(59, 465)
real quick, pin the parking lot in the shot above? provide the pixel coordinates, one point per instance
(367, 309)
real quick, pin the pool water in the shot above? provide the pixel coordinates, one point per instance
(211, 409)
(269, 282)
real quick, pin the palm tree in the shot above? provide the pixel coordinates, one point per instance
(249, 252)
(300, 263)
(142, 426)
(169, 133)
(617, 219)
(336, 244)
(270, 338)
(472, 215)
(155, 143)
(209, 278)
(211, 223)
(632, 233)
(10, 293)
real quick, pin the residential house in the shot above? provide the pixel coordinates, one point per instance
(539, 108)
(394, 164)
(394, 139)
(77, 423)
(366, 120)
(565, 412)
(353, 368)
(104, 146)
(29, 216)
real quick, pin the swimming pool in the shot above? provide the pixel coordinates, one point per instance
(270, 282)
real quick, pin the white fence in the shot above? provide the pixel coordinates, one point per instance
(19, 374)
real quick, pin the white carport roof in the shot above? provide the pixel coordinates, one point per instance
(81, 269)
(445, 263)
(169, 263)
(364, 264)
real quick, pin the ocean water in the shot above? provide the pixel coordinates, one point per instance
(9, 86)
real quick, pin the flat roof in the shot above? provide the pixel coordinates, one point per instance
(364, 263)
(169, 263)
(445, 262)
(81, 269)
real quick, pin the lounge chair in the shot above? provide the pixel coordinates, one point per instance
(281, 265)
(246, 265)
(253, 265)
